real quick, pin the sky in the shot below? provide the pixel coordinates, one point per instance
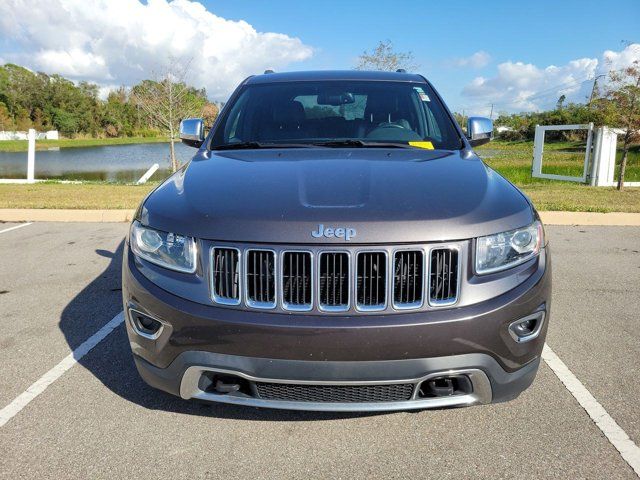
(496, 55)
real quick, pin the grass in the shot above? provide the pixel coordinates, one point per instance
(21, 145)
(511, 159)
(85, 196)
(575, 197)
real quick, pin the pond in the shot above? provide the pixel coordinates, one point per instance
(113, 163)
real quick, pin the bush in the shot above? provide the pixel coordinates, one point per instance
(524, 124)
(146, 133)
(111, 131)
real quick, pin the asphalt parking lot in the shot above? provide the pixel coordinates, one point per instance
(60, 284)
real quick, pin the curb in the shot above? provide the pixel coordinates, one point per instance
(53, 215)
(618, 219)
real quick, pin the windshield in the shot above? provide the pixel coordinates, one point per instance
(337, 113)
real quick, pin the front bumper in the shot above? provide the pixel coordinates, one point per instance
(259, 347)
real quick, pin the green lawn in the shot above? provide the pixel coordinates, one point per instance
(84, 196)
(21, 145)
(513, 160)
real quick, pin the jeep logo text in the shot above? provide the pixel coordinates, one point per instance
(340, 232)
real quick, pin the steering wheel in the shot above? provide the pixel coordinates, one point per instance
(391, 125)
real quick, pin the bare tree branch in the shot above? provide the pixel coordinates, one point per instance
(168, 99)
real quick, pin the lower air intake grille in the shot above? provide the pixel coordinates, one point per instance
(371, 280)
(335, 393)
(226, 287)
(296, 280)
(334, 281)
(443, 278)
(260, 278)
(407, 278)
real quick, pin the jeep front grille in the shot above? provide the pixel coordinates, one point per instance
(347, 279)
(408, 273)
(225, 275)
(443, 276)
(371, 282)
(260, 278)
(334, 281)
(297, 286)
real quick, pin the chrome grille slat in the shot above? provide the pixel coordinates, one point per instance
(225, 265)
(334, 281)
(408, 279)
(260, 278)
(297, 281)
(371, 281)
(443, 276)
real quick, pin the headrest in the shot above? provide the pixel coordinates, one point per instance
(289, 112)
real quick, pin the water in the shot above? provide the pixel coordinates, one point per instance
(113, 163)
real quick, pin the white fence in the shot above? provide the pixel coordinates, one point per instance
(50, 135)
(599, 157)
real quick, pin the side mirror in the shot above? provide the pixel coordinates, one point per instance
(192, 132)
(479, 130)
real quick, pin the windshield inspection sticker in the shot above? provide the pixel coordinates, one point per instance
(423, 96)
(425, 145)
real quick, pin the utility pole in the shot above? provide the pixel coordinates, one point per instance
(593, 89)
(491, 114)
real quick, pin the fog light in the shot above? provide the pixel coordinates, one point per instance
(144, 325)
(527, 328)
(524, 328)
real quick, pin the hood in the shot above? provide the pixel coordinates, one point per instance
(384, 195)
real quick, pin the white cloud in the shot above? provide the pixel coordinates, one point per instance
(124, 41)
(618, 60)
(477, 60)
(519, 86)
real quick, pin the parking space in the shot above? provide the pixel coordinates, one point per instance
(60, 281)
(596, 313)
(100, 420)
(9, 226)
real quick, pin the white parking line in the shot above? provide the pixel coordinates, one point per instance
(16, 227)
(40, 385)
(628, 449)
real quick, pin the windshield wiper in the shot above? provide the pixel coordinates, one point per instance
(257, 145)
(360, 144)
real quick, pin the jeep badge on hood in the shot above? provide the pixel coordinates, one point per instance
(340, 232)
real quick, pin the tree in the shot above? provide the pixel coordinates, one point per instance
(461, 119)
(169, 99)
(210, 113)
(6, 122)
(623, 103)
(385, 58)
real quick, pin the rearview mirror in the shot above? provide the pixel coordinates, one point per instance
(335, 99)
(479, 130)
(192, 132)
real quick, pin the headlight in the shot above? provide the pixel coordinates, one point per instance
(168, 250)
(508, 249)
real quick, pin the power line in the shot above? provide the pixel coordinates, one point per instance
(533, 96)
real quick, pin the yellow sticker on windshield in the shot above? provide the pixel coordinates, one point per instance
(427, 145)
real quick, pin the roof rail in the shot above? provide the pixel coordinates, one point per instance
(268, 71)
(401, 70)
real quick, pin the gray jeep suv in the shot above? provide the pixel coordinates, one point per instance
(336, 244)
